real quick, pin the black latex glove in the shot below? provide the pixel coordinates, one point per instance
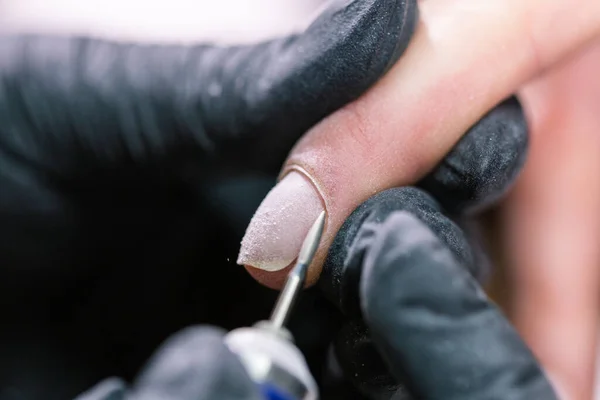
(112, 163)
(194, 364)
(405, 265)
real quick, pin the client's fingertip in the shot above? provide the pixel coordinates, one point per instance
(271, 279)
(277, 230)
(276, 279)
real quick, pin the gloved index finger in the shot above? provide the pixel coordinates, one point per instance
(290, 84)
(119, 101)
(433, 324)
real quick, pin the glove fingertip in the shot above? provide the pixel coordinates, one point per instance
(403, 242)
(485, 163)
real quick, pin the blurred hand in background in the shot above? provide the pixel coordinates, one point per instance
(551, 223)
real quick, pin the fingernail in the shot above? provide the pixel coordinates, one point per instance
(277, 230)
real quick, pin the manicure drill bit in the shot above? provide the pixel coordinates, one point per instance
(297, 277)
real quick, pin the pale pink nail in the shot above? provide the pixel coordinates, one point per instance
(277, 230)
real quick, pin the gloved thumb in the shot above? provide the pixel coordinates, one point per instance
(119, 102)
(463, 59)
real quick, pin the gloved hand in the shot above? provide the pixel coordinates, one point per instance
(406, 269)
(405, 266)
(194, 364)
(112, 163)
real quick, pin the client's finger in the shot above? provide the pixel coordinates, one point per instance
(552, 225)
(478, 170)
(465, 58)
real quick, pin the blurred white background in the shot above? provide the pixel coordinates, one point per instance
(223, 21)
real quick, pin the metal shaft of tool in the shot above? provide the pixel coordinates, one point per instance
(297, 277)
(287, 297)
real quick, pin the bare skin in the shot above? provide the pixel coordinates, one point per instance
(552, 224)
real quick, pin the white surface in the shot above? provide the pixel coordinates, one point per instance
(159, 20)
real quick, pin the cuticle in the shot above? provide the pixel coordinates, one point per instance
(308, 176)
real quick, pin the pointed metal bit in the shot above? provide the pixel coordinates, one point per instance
(297, 277)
